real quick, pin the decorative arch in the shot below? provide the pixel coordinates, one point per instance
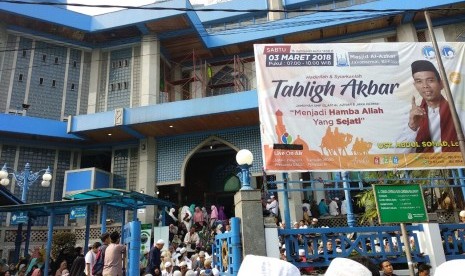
(205, 142)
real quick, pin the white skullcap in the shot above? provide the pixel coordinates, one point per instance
(336, 198)
(462, 213)
(272, 196)
(167, 264)
(347, 267)
(450, 268)
(183, 263)
(160, 241)
(301, 252)
(266, 266)
(215, 272)
(183, 250)
(191, 273)
(177, 273)
(315, 219)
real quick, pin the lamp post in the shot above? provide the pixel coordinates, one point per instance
(245, 159)
(24, 180)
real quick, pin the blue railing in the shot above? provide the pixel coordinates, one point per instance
(453, 238)
(321, 245)
(227, 250)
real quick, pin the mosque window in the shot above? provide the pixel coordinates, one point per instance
(54, 83)
(56, 60)
(126, 63)
(41, 81)
(20, 77)
(74, 63)
(44, 58)
(72, 87)
(24, 53)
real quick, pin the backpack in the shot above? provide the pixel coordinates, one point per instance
(99, 260)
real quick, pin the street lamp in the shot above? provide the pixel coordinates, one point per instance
(245, 158)
(25, 179)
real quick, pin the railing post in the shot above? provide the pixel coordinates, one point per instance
(350, 213)
(235, 244)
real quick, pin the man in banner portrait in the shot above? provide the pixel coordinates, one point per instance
(430, 124)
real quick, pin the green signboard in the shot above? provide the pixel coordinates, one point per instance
(400, 203)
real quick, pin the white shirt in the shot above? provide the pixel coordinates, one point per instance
(273, 206)
(344, 207)
(333, 208)
(90, 259)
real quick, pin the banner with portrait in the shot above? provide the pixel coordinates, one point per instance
(355, 107)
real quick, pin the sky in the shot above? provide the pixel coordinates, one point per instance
(95, 11)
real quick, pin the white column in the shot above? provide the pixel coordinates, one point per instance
(150, 70)
(431, 244)
(146, 180)
(320, 194)
(65, 86)
(275, 5)
(438, 32)
(295, 198)
(378, 40)
(94, 81)
(407, 33)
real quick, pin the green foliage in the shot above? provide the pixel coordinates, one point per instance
(366, 198)
(63, 240)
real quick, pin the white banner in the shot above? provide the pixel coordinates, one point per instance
(371, 106)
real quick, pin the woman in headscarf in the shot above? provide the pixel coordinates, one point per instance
(198, 216)
(186, 216)
(213, 216)
(221, 215)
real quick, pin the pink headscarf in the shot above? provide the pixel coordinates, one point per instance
(214, 214)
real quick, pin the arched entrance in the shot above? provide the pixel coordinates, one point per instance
(210, 176)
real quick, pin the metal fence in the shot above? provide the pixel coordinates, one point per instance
(316, 247)
(227, 250)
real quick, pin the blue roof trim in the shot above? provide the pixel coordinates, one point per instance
(197, 23)
(133, 132)
(133, 16)
(192, 108)
(163, 112)
(142, 28)
(35, 126)
(50, 14)
(293, 25)
(92, 121)
(218, 16)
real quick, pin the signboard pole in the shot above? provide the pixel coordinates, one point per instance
(450, 98)
(408, 254)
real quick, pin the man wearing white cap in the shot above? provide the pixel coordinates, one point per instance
(272, 206)
(266, 266)
(450, 268)
(168, 271)
(347, 267)
(153, 266)
(333, 207)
